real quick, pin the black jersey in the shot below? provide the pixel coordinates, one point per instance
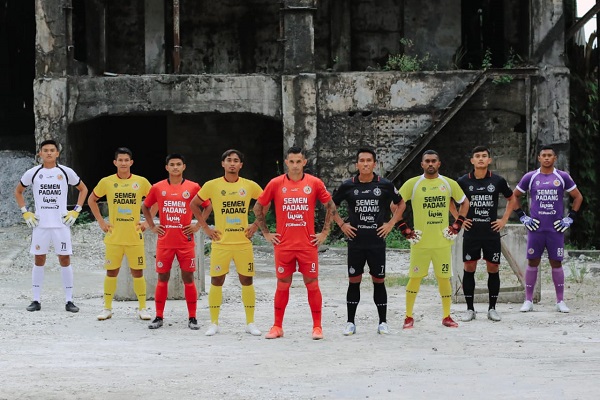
(368, 207)
(483, 198)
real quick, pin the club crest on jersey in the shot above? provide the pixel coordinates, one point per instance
(470, 188)
(135, 186)
(60, 177)
(377, 192)
(491, 188)
(284, 189)
(556, 182)
(537, 183)
(186, 195)
(355, 192)
(223, 193)
(443, 188)
(163, 193)
(242, 192)
(307, 189)
(424, 189)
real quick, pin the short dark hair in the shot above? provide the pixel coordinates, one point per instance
(229, 152)
(547, 147)
(430, 152)
(369, 150)
(479, 149)
(123, 150)
(49, 141)
(176, 156)
(295, 150)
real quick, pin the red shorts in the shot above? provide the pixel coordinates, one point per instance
(185, 257)
(307, 262)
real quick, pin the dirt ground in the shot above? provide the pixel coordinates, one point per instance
(53, 354)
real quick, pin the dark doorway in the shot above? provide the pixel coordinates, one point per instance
(17, 71)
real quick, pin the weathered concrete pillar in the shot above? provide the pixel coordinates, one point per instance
(298, 36)
(50, 85)
(340, 35)
(550, 123)
(299, 109)
(514, 251)
(176, 288)
(154, 26)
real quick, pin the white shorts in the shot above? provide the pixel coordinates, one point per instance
(59, 238)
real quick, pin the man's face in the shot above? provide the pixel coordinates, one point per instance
(547, 158)
(49, 153)
(430, 164)
(295, 163)
(123, 162)
(232, 164)
(481, 159)
(365, 164)
(175, 167)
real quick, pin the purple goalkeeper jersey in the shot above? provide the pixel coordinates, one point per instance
(546, 194)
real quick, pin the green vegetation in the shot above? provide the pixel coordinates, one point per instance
(406, 62)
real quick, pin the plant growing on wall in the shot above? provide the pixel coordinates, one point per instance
(405, 62)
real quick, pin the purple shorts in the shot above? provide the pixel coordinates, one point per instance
(538, 241)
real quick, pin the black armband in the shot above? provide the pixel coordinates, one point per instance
(520, 213)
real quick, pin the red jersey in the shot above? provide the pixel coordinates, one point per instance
(174, 211)
(294, 204)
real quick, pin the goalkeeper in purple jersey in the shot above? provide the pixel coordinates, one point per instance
(546, 222)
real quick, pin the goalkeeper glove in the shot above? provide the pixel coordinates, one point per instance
(451, 232)
(562, 225)
(530, 223)
(413, 236)
(29, 217)
(71, 216)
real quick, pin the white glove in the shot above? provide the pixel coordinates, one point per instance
(30, 219)
(416, 237)
(71, 216)
(449, 233)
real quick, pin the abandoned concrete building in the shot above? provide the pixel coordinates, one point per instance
(198, 77)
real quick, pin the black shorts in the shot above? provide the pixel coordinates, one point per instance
(474, 245)
(375, 257)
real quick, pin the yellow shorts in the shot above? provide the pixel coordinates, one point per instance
(420, 259)
(136, 256)
(243, 258)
